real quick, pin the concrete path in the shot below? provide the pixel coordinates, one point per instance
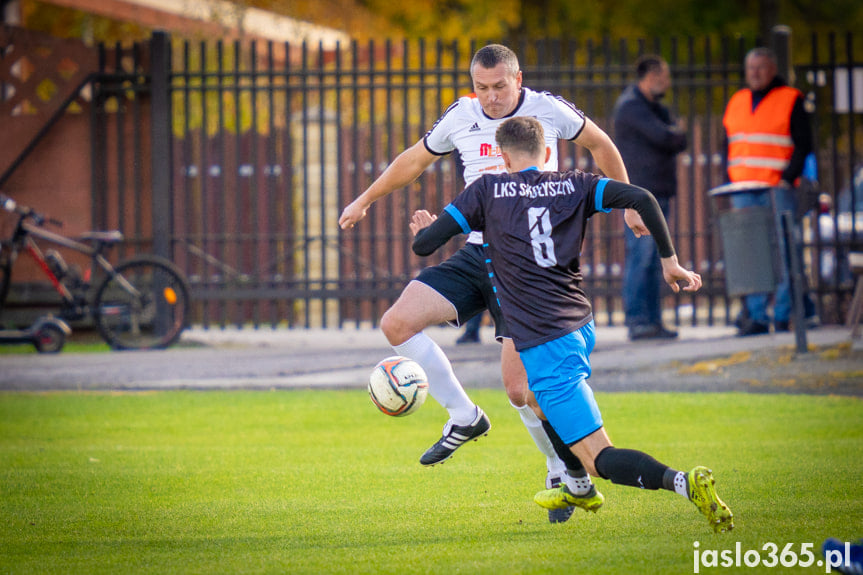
(703, 358)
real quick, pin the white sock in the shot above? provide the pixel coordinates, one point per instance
(680, 486)
(443, 384)
(578, 485)
(534, 427)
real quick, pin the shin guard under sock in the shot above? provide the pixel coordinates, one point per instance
(630, 467)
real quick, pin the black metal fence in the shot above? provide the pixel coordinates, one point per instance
(252, 150)
(270, 143)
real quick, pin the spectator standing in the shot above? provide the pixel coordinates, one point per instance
(768, 139)
(649, 141)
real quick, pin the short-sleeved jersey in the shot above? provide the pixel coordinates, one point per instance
(534, 224)
(465, 127)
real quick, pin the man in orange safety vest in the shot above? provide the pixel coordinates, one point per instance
(768, 137)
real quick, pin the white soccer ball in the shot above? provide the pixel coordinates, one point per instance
(398, 386)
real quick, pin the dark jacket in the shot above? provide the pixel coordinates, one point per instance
(648, 142)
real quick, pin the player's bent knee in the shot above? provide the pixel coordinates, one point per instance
(396, 330)
(517, 390)
(517, 395)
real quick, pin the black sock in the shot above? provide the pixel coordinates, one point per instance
(630, 467)
(573, 463)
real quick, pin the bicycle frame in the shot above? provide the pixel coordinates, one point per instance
(23, 240)
(142, 303)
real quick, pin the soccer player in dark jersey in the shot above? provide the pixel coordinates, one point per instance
(534, 224)
(459, 288)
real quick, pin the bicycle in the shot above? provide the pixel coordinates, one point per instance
(142, 303)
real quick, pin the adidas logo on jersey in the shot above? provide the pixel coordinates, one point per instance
(474, 128)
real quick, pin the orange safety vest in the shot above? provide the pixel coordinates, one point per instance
(759, 142)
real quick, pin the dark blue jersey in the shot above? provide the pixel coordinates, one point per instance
(534, 224)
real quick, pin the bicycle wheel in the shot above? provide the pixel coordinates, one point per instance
(49, 339)
(144, 304)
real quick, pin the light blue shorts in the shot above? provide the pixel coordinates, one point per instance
(556, 374)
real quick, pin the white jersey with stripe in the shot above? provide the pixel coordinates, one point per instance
(465, 127)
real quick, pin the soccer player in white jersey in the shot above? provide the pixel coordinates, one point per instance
(535, 222)
(459, 288)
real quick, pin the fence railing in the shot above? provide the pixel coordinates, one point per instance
(252, 150)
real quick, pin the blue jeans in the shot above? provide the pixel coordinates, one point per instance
(757, 304)
(471, 326)
(642, 278)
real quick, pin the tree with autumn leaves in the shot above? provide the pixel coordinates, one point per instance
(505, 20)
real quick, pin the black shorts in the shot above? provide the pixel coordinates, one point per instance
(463, 280)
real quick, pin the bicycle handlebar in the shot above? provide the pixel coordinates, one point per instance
(12, 206)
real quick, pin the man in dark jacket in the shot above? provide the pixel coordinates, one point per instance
(649, 142)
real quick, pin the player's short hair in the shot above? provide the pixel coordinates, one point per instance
(494, 54)
(648, 64)
(521, 134)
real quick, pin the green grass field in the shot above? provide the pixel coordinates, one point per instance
(320, 482)
(71, 346)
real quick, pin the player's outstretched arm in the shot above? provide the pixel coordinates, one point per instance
(406, 168)
(619, 195)
(608, 159)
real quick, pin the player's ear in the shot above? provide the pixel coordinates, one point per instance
(547, 154)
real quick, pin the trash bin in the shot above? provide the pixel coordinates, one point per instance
(749, 242)
(754, 245)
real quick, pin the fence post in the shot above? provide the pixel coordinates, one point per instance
(796, 281)
(160, 159)
(160, 142)
(780, 43)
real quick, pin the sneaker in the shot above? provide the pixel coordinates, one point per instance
(561, 497)
(649, 331)
(835, 553)
(703, 494)
(453, 438)
(467, 338)
(562, 514)
(751, 327)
